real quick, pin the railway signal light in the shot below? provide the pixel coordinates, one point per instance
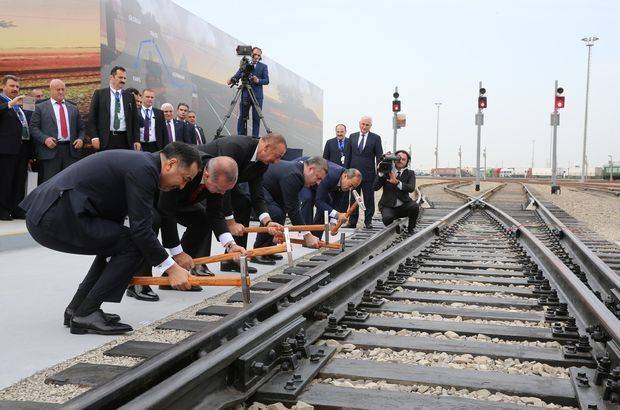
(559, 98)
(396, 102)
(482, 99)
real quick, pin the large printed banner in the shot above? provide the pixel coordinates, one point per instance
(163, 47)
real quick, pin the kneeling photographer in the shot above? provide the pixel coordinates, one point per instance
(397, 182)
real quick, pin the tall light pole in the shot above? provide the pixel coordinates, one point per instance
(484, 154)
(533, 142)
(611, 169)
(460, 158)
(438, 104)
(589, 43)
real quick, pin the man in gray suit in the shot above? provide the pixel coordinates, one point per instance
(58, 131)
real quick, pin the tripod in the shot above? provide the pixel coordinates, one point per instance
(244, 85)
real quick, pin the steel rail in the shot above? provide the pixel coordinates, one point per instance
(607, 280)
(185, 387)
(583, 304)
(147, 374)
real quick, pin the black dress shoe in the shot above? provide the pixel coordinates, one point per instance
(109, 317)
(235, 267)
(263, 260)
(202, 270)
(142, 293)
(95, 323)
(368, 226)
(276, 257)
(5, 216)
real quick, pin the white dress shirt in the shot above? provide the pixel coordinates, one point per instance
(56, 109)
(121, 114)
(152, 136)
(174, 137)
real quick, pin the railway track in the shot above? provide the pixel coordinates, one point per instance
(476, 310)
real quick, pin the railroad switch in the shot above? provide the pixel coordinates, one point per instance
(381, 289)
(368, 301)
(603, 368)
(598, 334)
(355, 315)
(335, 331)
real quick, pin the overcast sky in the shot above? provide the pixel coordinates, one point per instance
(438, 50)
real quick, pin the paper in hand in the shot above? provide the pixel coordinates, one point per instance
(28, 103)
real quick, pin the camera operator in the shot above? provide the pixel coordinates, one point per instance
(258, 77)
(397, 184)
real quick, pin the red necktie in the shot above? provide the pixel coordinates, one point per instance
(64, 133)
(196, 192)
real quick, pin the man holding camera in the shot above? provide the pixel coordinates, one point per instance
(397, 184)
(258, 77)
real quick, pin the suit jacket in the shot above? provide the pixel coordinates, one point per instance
(107, 185)
(43, 125)
(10, 130)
(182, 131)
(161, 133)
(99, 117)
(332, 152)
(241, 148)
(260, 71)
(198, 128)
(325, 192)
(391, 191)
(365, 161)
(284, 181)
(172, 202)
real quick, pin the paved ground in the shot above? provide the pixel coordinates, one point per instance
(37, 284)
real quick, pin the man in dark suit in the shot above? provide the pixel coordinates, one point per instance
(252, 156)
(58, 132)
(363, 153)
(198, 206)
(176, 130)
(327, 196)
(199, 133)
(395, 201)
(113, 121)
(281, 186)
(82, 210)
(15, 149)
(154, 136)
(336, 147)
(258, 78)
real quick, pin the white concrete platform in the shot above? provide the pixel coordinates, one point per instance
(37, 284)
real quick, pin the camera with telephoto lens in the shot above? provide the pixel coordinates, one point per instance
(387, 163)
(245, 65)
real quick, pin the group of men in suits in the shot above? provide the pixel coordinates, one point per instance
(110, 205)
(363, 151)
(54, 132)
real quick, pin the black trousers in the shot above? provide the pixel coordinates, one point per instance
(242, 209)
(62, 160)
(369, 201)
(408, 209)
(307, 197)
(244, 115)
(118, 141)
(59, 229)
(196, 240)
(277, 214)
(13, 177)
(149, 146)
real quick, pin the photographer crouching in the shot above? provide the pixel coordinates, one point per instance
(397, 182)
(256, 75)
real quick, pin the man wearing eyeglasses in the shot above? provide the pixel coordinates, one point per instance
(258, 78)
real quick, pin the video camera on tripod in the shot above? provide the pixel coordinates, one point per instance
(245, 65)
